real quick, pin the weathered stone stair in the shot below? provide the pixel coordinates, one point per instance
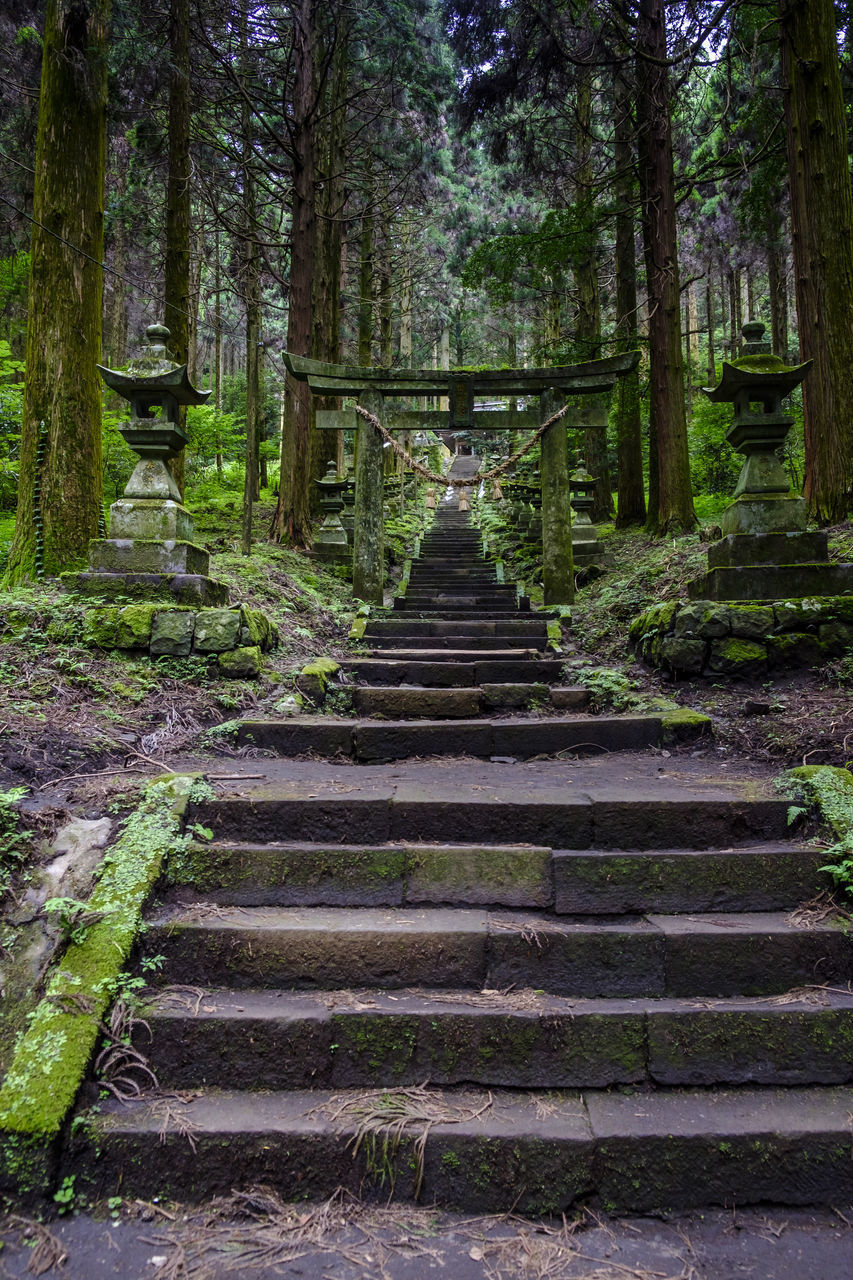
(566, 981)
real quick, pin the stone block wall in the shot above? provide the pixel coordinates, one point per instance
(234, 637)
(708, 638)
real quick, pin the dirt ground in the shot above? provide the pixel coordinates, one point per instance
(255, 1235)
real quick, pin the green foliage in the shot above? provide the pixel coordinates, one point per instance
(14, 840)
(831, 790)
(74, 917)
(608, 687)
(714, 465)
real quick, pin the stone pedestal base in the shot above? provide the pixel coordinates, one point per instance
(773, 582)
(191, 589)
(151, 518)
(136, 555)
(783, 513)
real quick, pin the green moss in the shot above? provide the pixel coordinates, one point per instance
(682, 725)
(134, 626)
(322, 667)
(358, 628)
(100, 627)
(54, 1053)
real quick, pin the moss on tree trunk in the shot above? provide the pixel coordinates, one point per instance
(672, 508)
(66, 288)
(822, 226)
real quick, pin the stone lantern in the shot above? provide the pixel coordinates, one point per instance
(330, 541)
(150, 551)
(586, 549)
(756, 385)
(765, 552)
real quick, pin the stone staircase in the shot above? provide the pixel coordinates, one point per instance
(490, 985)
(459, 647)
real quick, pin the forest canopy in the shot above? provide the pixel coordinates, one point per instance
(411, 184)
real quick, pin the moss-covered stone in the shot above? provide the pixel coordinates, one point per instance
(172, 632)
(216, 630)
(796, 649)
(835, 637)
(134, 626)
(314, 678)
(250, 632)
(681, 654)
(703, 619)
(683, 725)
(52, 1056)
(243, 663)
(100, 627)
(751, 622)
(731, 656)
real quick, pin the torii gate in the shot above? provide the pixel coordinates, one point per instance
(370, 386)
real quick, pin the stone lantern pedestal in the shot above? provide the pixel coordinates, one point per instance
(765, 552)
(148, 582)
(150, 553)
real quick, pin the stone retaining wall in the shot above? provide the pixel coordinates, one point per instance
(704, 637)
(236, 637)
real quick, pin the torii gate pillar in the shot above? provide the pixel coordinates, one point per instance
(368, 553)
(558, 573)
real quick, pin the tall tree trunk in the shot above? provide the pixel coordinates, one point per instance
(631, 507)
(365, 285)
(217, 349)
(657, 192)
(115, 337)
(327, 446)
(251, 283)
(292, 519)
(709, 313)
(822, 227)
(588, 331)
(178, 206)
(65, 295)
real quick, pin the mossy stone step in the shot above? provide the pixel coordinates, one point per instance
(463, 653)
(767, 877)
(511, 810)
(456, 639)
(376, 671)
(379, 740)
(524, 1039)
(495, 1151)
(760, 953)
(396, 702)
(290, 874)
(391, 626)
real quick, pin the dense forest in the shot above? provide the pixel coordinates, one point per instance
(406, 184)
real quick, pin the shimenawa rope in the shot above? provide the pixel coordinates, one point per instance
(470, 481)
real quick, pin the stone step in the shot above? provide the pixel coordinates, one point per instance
(492, 804)
(456, 640)
(376, 671)
(397, 702)
(392, 626)
(496, 1151)
(772, 876)
(307, 948)
(383, 740)
(449, 612)
(523, 1039)
(290, 874)
(464, 653)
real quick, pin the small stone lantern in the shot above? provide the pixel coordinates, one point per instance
(586, 549)
(765, 552)
(330, 541)
(756, 384)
